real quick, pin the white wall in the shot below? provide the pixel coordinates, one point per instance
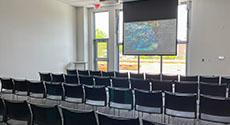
(209, 38)
(36, 35)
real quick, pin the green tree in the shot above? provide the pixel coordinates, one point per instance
(100, 34)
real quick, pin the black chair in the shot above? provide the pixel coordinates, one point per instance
(136, 76)
(122, 75)
(45, 115)
(36, 89)
(149, 102)
(140, 84)
(214, 109)
(112, 120)
(71, 116)
(95, 95)
(162, 85)
(120, 82)
(83, 72)
(95, 73)
(71, 79)
(170, 77)
(86, 80)
(71, 72)
(7, 86)
(186, 87)
(21, 88)
(54, 92)
(209, 79)
(153, 76)
(189, 78)
(73, 93)
(108, 74)
(121, 98)
(102, 81)
(45, 77)
(17, 111)
(213, 90)
(57, 78)
(2, 109)
(181, 105)
(225, 80)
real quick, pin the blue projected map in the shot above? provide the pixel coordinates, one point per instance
(150, 37)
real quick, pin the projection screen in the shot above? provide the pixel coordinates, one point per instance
(152, 34)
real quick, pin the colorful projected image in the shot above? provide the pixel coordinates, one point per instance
(150, 37)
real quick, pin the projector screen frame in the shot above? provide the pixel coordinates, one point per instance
(123, 44)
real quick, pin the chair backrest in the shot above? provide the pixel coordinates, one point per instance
(73, 91)
(153, 76)
(161, 85)
(93, 94)
(136, 76)
(109, 74)
(146, 101)
(54, 89)
(189, 78)
(71, 72)
(186, 87)
(120, 82)
(140, 84)
(225, 80)
(36, 87)
(170, 77)
(213, 90)
(2, 107)
(209, 79)
(45, 115)
(86, 80)
(217, 107)
(45, 77)
(121, 96)
(71, 116)
(71, 79)
(102, 81)
(83, 72)
(95, 73)
(180, 103)
(57, 77)
(20, 85)
(112, 120)
(122, 75)
(17, 110)
(7, 83)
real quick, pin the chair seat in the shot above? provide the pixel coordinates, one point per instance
(53, 97)
(95, 103)
(180, 113)
(16, 122)
(21, 93)
(6, 91)
(36, 95)
(73, 100)
(121, 106)
(148, 109)
(221, 119)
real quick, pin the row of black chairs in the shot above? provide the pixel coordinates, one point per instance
(34, 114)
(25, 87)
(138, 100)
(208, 79)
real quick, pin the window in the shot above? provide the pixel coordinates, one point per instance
(151, 64)
(101, 21)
